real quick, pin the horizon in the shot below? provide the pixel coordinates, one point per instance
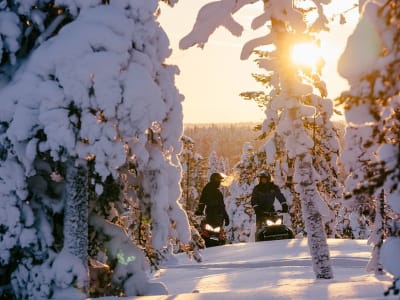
(241, 123)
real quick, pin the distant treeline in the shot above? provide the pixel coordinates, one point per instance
(226, 140)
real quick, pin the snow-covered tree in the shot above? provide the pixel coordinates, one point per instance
(193, 177)
(325, 150)
(90, 114)
(373, 74)
(239, 209)
(292, 106)
(216, 164)
(213, 163)
(325, 159)
(358, 160)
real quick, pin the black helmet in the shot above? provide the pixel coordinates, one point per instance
(217, 177)
(265, 175)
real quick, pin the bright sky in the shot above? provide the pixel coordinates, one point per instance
(212, 78)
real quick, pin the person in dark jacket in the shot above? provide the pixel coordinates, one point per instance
(213, 201)
(263, 198)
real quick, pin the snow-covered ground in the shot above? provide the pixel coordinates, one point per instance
(272, 270)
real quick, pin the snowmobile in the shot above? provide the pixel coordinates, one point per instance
(212, 236)
(273, 228)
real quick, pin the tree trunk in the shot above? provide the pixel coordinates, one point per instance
(317, 242)
(76, 213)
(377, 236)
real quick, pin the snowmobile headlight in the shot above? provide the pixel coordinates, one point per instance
(213, 229)
(217, 229)
(277, 222)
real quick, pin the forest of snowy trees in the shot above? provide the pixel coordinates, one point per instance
(199, 160)
(99, 180)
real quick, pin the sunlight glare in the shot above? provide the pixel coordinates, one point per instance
(306, 54)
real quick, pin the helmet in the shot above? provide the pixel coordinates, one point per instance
(265, 175)
(217, 177)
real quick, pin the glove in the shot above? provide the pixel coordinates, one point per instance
(285, 208)
(226, 221)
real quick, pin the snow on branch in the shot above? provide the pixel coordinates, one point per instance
(249, 47)
(209, 18)
(131, 270)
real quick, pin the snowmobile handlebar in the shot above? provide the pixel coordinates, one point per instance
(272, 213)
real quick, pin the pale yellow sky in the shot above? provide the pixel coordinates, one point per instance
(212, 78)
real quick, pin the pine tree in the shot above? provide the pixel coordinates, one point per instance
(213, 164)
(289, 109)
(374, 91)
(239, 209)
(193, 177)
(358, 160)
(193, 180)
(91, 115)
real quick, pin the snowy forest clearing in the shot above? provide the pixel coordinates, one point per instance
(273, 270)
(93, 189)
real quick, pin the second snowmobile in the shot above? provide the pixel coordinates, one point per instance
(273, 228)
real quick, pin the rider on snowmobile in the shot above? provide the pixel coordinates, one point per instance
(213, 201)
(263, 198)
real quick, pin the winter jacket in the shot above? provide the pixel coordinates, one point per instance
(263, 198)
(213, 201)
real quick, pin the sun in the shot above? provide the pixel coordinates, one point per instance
(306, 54)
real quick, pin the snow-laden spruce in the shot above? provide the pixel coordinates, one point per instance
(357, 162)
(370, 64)
(291, 107)
(85, 101)
(238, 203)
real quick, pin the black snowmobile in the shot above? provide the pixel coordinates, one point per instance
(273, 228)
(212, 235)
